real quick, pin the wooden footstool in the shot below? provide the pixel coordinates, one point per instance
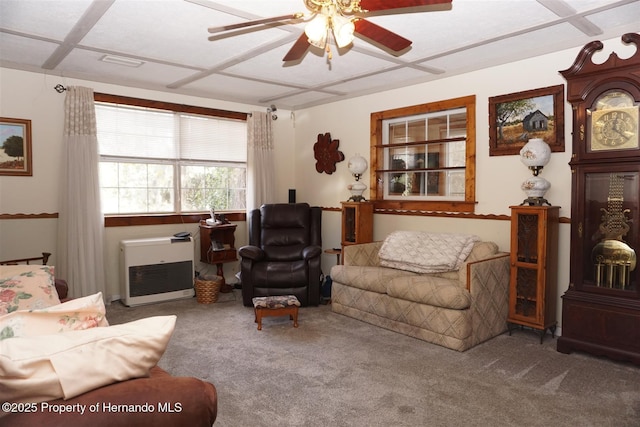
(276, 306)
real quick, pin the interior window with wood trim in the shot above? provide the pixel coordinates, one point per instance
(168, 158)
(423, 157)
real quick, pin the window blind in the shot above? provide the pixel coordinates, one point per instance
(202, 138)
(135, 132)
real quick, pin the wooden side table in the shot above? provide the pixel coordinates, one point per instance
(217, 246)
(336, 252)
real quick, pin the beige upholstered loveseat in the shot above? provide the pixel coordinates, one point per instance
(456, 309)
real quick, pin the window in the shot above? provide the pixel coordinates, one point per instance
(423, 157)
(161, 161)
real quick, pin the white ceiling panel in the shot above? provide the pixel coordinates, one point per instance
(467, 21)
(13, 48)
(243, 89)
(88, 64)
(251, 9)
(368, 83)
(170, 36)
(628, 14)
(528, 45)
(172, 31)
(53, 19)
(586, 5)
(305, 98)
(314, 69)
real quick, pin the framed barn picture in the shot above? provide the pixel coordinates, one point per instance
(15, 147)
(517, 117)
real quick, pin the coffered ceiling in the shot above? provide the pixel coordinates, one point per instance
(163, 45)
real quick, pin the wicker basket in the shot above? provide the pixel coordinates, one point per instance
(207, 289)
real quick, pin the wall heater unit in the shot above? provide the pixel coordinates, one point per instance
(156, 269)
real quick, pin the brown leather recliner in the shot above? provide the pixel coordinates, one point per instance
(283, 255)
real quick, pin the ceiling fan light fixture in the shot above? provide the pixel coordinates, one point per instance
(316, 30)
(343, 29)
(336, 19)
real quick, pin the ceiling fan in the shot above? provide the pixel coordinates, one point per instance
(340, 19)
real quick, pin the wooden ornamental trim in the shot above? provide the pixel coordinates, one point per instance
(161, 219)
(29, 216)
(376, 190)
(161, 105)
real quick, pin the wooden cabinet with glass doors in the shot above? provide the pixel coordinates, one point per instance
(534, 268)
(601, 308)
(357, 223)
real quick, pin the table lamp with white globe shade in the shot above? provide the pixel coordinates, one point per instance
(357, 166)
(535, 155)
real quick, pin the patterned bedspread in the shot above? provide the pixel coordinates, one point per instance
(426, 252)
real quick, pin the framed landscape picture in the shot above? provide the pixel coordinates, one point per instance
(15, 147)
(517, 117)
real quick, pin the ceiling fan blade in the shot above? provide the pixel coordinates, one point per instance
(298, 49)
(381, 35)
(373, 5)
(255, 22)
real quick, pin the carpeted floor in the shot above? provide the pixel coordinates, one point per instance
(336, 371)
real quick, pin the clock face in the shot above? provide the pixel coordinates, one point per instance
(616, 128)
(614, 124)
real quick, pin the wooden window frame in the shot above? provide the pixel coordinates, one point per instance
(377, 159)
(117, 220)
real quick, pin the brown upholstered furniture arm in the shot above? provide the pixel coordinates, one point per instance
(254, 253)
(44, 258)
(62, 288)
(311, 252)
(176, 402)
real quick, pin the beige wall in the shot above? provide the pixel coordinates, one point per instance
(497, 178)
(31, 95)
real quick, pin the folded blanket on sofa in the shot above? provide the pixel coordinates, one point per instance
(426, 252)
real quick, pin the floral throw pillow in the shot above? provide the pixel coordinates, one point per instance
(27, 287)
(74, 315)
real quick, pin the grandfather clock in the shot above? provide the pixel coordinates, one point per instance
(601, 308)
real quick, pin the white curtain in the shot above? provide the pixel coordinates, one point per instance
(80, 257)
(260, 161)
